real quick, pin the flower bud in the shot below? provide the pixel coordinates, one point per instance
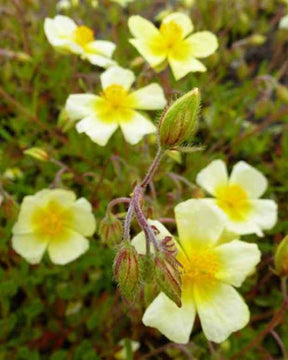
(168, 277)
(37, 153)
(127, 270)
(179, 123)
(148, 268)
(282, 93)
(111, 229)
(281, 258)
(168, 246)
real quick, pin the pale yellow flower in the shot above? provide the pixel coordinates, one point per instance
(238, 197)
(117, 105)
(53, 220)
(210, 272)
(122, 3)
(66, 36)
(172, 43)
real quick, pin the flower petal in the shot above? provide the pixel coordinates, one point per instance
(238, 259)
(182, 20)
(174, 322)
(83, 220)
(142, 28)
(134, 129)
(117, 75)
(221, 310)
(79, 106)
(100, 47)
(251, 179)
(212, 176)
(203, 44)
(245, 227)
(139, 241)
(99, 60)
(30, 246)
(98, 131)
(150, 51)
(180, 68)
(198, 223)
(264, 213)
(64, 251)
(150, 97)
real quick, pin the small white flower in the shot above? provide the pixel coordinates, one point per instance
(238, 197)
(115, 106)
(66, 36)
(56, 221)
(283, 23)
(210, 270)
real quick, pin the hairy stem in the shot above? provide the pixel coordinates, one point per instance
(153, 168)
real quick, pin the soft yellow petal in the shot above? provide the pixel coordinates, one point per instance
(99, 60)
(100, 47)
(62, 252)
(213, 176)
(264, 213)
(174, 322)
(199, 224)
(142, 28)
(150, 51)
(82, 219)
(150, 97)
(244, 227)
(139, 241)
(135, 129)
(203, 44)
(64, 197)
(79, 106)
(221, 309)
(238, 259)
(29, 246)
(182, 20)
(180, 67)
(99, 131)
(248, 177)
(117, 75)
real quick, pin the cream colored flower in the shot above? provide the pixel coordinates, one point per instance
(210, 272)
(172, 43)
(56, 221)
(122, 3)
(116, 106)
(122, 354)
(238, 197)
(66, 36)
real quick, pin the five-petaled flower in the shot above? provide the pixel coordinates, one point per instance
(172, 43)
(211, 270)
(116, 106)
(66, 36)
(56, 221)
(238, 197)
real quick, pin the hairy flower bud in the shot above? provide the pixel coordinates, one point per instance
(148, 268)
(127, 270)
(168, 276)
(168, 246)
(179, 123)
(110, 229)
(281, 258)
(37, 153)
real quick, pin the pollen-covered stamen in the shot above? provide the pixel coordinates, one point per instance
(116, 95)
(83, 35)
(172, 33)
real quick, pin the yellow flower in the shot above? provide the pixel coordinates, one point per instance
(115, 106)
(56, 221)
(122, 3)
(172, 43)
(66, 36)
(210, 272)
(238, 197)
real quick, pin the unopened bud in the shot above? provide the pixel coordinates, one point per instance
(168, 277)
(127, 270)
(256, 39)
(168, 246)
(282, 92)
(110, 229)
(179, 123)
(148, 268)
(281, 258)
(37, 153)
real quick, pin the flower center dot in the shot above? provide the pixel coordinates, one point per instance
(172, 33)
(83, 35)
(116, 95)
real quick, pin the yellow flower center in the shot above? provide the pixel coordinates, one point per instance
(116, 95)
(49, 221)
(233, 200)
(82, 35)
(172, 34)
